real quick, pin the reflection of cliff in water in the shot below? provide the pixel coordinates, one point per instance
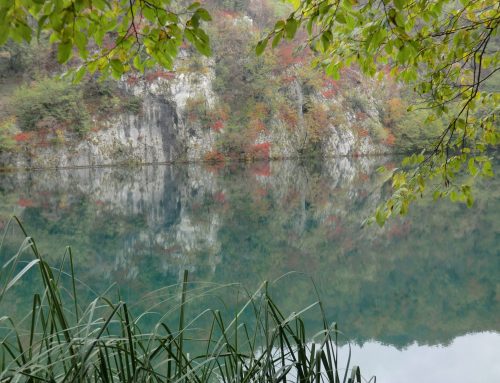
(428, 278)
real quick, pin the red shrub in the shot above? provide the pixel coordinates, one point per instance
(260, 151)
(361, 116)
(286, 55)
(329, 93)
(363, 133)
(288, 79)
(22, 137)
(289, 116)
(214, 156)
(364, 177)
(218, 126)
(390, 140)
(331, 87)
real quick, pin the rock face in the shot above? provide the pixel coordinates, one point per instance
(161, 133)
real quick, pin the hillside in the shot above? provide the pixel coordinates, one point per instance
(232, 106)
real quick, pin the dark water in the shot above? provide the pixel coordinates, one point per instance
(423, 288)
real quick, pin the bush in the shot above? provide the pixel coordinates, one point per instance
(7, 133)
(357, 102)
(15, 59)
(50, 103)
(132, 104)
(378, 132)
(106, 97)
(413, 132)
(234, 142)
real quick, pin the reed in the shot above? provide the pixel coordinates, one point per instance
(61, 341)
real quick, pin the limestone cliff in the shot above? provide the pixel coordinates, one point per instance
(162, 132)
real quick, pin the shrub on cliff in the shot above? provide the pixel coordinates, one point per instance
(7, 132)
(49, 104)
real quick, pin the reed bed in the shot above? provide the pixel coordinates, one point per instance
(61, 341)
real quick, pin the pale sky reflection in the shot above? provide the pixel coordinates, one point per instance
(470, 358)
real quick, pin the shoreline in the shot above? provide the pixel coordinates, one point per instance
(7, 169)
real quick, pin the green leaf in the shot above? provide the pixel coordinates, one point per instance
(454, 196)
(469, 200)
(473, 170)
(280, 24)
(149, 13)
(117, 66)
(291, 28)
(78, 75)
(333, 70)
(138, 64)
(203, 14)
(194, 6)
(64, 52)
(100, 4)
(4, 34)
(81, 42)
(380, 217)
(487, 169)
(199, 39)
(277, 39)
(399, 4)
(261, 46)
(340, 17)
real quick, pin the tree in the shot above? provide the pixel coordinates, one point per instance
(109, 36)
(447, 50)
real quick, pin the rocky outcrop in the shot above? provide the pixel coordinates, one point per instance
(161, 133)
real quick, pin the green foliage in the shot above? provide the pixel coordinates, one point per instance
(441, 48)
(413, 131)
(104, 97)
(16, 58)
(110, 37)
(7, 131)
(357, 102)
(50, 103)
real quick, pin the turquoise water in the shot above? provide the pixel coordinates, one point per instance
(421, 283)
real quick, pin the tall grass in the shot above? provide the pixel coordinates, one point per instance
(61, 341)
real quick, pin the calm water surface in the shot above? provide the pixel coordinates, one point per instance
(420, 297)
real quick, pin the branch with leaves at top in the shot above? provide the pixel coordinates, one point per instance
(447, 51)
(111, 37)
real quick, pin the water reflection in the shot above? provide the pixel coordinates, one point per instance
(428, 278)
(470, 358)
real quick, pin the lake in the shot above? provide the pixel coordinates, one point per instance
(418, 298)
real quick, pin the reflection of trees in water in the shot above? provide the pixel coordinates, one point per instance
(428, 278)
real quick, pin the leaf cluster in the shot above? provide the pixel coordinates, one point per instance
(111, 37)
(441, 48)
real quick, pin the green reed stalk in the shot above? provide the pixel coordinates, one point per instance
(102, 342)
